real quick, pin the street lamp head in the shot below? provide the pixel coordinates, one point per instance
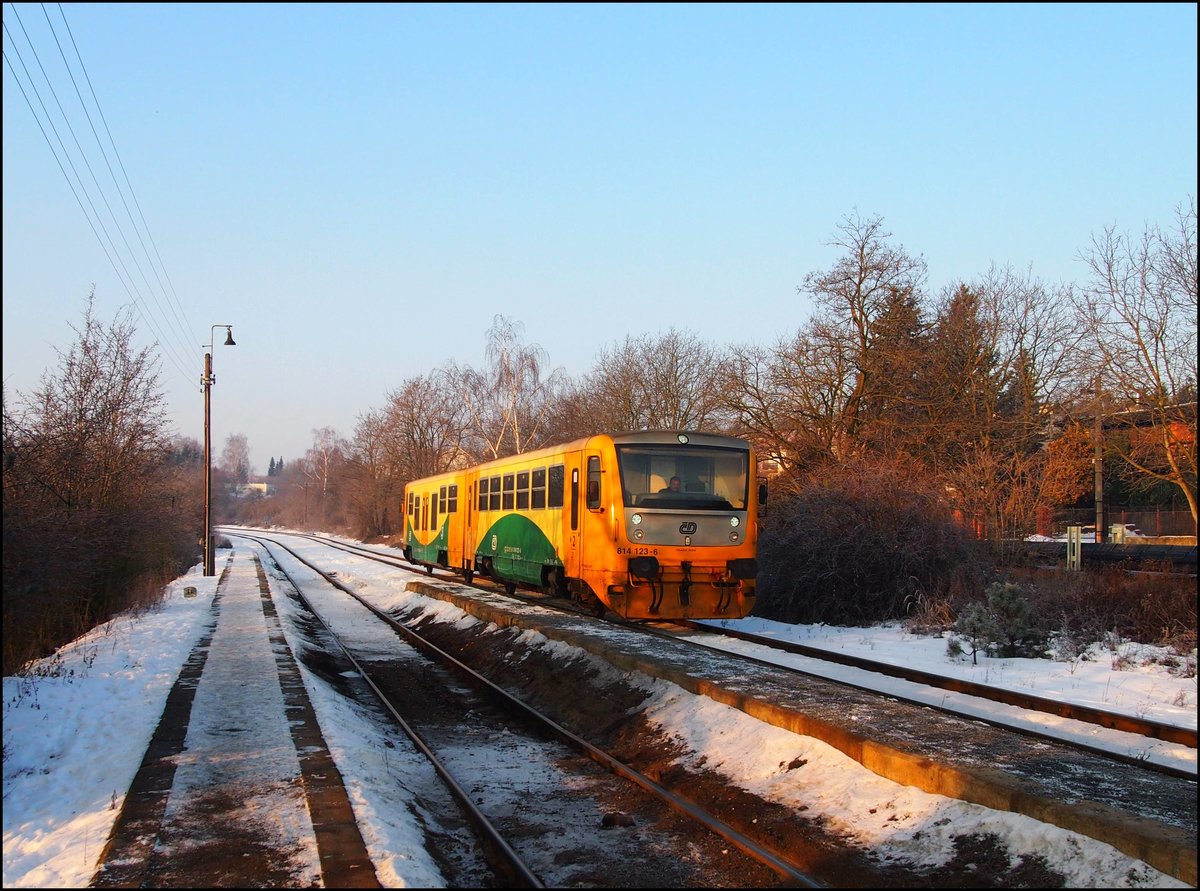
(212, 335)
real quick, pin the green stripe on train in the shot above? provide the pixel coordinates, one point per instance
(427, 552)
(518, 549)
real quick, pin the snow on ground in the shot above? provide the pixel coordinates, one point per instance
(76, 727)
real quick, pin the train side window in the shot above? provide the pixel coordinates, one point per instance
(433, 511)
(593, 483)
(425, 512)
(554, 494)
(452, 504)
(483, 493)
(538, 496)
(523, 490)
(494, 496)
(508, 491)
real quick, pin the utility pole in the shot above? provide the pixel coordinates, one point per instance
(208, 380)
(1098, 462)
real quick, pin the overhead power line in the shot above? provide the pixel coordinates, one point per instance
(167, 320)
(121, 164)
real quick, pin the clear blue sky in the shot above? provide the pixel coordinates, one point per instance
(360, 189)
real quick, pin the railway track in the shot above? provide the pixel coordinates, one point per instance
(1121, 804)
(1112, 720)
(1135, 557)
(1102, 718)
(394, 684)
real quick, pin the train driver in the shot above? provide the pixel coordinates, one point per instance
(673, 486)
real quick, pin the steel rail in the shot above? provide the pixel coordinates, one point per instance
(757, 851)
(1086, 714)
(1111, 720)
(501, 857)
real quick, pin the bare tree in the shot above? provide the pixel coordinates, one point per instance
(672, 381)
(788, 397)
(321, 464)
(425, 426)
(88, 466)
(1036, 338)
(1140, 308)
(575, 414)
(851, 298)
(419, 432)
(235, 458)
(372, 479)
(846, 379)
(753, 400)
(509, 401)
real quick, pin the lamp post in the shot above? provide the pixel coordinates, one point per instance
(208, 380)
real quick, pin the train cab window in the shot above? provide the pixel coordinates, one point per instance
(523, 490)
(558, 481)
(494, 496)
(538, 495)
(593, 483)
(508, 491)
(451, 506)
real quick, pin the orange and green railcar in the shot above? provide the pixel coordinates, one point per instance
(650, 524)
(433, 526)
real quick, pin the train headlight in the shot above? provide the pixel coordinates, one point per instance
(734, 521)
(638, 534)
(636, 519)
(733, 536)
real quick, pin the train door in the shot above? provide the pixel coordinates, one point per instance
(591, 509)
(467, 554)
(564, 488)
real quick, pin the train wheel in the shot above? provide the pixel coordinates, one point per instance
(582, 594)
(428, 569)
(553, 586)
(510, 588)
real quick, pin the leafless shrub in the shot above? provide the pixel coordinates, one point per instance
(861, 544)
(95, 512)
(1095, 605)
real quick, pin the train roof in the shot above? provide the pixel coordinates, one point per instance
(633, 437)
(673, 437)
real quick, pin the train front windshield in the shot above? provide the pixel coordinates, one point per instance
(684, 477)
